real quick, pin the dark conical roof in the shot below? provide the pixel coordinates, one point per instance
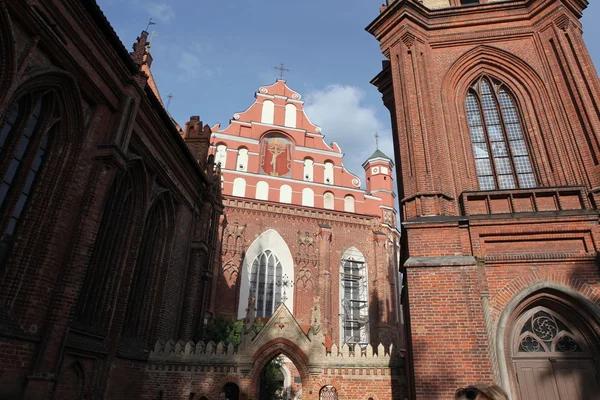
(378, 154)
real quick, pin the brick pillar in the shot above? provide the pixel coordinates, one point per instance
(325, 275)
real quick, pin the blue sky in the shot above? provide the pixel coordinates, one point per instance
(213, 55)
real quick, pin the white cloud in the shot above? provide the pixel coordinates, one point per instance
(160, 11)
(344, 119)
(191, 67)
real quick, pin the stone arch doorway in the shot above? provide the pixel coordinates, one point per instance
(290, 362)
(552, 350)
(280, 379)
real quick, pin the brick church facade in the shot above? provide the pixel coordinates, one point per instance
(494, 108)
(304, 249)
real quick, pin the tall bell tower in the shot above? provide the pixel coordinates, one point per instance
(495, 108)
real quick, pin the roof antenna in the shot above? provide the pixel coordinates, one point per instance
(377, 140)
(169, 98)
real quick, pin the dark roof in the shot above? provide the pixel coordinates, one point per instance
(379, 154)
(110, 33)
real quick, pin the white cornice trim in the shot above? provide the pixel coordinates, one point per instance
(268, 96)
(235, 138)
(235, 121)
(319, 151)
(368, 196)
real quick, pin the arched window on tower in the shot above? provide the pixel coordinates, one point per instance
(308, 197)
(262, 190)
(221, 155)
(329, 173)
(308, 169)
(242, 159)
(239, 187)
(328, 201)
(265, 275)
(500, 149)
(268, 111)
(354, 297)
(25, 139)
(349, 203)
(285, 194)
(290, 115)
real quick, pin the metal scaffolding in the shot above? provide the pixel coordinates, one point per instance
(355, 307)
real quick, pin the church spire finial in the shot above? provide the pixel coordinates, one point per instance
(281, 69)
(377, 140)
(149, 23)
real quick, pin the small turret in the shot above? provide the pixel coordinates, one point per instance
(380, 181)
(378, 170)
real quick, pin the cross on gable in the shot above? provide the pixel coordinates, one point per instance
(281, 69)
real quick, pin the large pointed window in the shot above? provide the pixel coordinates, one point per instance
(354, 297)
(25, 138)
(265, 283)
(501, 155)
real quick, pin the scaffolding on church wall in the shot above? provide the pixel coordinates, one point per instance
(354, 302)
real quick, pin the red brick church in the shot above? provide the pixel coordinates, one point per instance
(304, 249)
(123, 235)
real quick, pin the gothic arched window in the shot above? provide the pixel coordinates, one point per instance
(145, 283)
(25, 138)
(501, 153)
(354, 297)
(265, 283)
(95, 300)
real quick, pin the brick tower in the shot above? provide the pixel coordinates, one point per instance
(495, 113)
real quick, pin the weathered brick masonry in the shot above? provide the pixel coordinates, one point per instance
(481, 262)
(105, 214)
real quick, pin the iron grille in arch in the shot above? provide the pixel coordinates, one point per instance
(328, 393)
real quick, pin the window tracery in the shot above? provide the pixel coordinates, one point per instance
(25, 138)
(543, 331)
(501, 153)
(265, 283)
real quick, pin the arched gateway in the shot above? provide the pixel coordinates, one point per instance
(301, 348)
(553, 350)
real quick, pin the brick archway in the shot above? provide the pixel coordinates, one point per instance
(275, 347)
(268, 351)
